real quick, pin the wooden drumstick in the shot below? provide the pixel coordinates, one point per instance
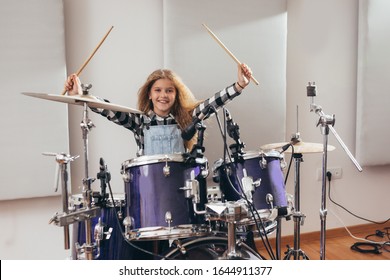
(90, 57)
(227, 50)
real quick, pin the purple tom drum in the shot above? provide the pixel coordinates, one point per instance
(264, 166)
(156, 204)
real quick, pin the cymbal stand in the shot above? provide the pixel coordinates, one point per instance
(326, 123)
(298, 217)
(86, 125)
(68, 216)
(62, 162)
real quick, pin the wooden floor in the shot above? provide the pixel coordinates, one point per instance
(338, 244)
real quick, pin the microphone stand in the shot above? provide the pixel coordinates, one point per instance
(196, 188)
(326, 123)
(236, 148)
(104, 176)
(196, 156)
(248, 186)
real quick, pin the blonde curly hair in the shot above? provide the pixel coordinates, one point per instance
(184, 104)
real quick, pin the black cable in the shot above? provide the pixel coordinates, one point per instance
(289, 165)
(366, 247)
(329, 175)
(251, 207)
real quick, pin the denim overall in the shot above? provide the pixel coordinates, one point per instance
(163, 139)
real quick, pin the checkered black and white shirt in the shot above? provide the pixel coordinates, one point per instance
(136, 122)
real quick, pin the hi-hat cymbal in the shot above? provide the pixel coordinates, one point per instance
(91, 101)
(299, 147)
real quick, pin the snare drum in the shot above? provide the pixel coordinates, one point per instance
(264, 166)
(112, 247)
(156, 200)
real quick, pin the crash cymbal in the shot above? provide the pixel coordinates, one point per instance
(91, 101)
(299, 148)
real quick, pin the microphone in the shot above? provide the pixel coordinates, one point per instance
(190, 130)
(233, 131)
(232, 127)
(102, 165)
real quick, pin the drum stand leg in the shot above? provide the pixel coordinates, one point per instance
(231, 251)
(278, 237)
(298, 217)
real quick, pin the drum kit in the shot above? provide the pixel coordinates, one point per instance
(168, 211)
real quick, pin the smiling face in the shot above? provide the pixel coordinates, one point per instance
(163, 96)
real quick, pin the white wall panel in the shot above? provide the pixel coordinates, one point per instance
(32, 55)
(129, 54)
(372, 121)
(255, 32)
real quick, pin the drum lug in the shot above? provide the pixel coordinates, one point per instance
(166, 168)
(168, 218)
(263, 163)
(128, 224)
(257, 183)
(125, 175)
(120, 214)
(269, 198)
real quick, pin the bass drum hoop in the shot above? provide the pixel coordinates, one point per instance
(195, 243)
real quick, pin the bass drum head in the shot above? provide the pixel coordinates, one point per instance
(210, 248)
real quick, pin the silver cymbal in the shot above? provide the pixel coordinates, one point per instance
(91, 101)
(299, 148)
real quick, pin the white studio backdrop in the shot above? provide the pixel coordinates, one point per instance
(32, 55)
(255, 32)
(373, 99)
